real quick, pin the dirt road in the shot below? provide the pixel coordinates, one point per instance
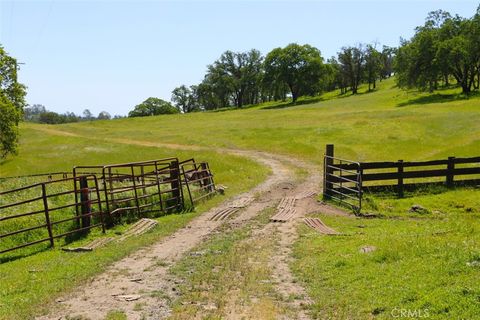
(135, 279)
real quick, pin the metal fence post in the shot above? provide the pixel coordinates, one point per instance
(47, 215)
(137, 202)
(206, 181)
(99, 200)
(175, 183)
(85, 201)
(157, 178)
(329, 154)
(188, 186)
(108, 216)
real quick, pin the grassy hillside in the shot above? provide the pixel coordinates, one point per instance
(387, 124)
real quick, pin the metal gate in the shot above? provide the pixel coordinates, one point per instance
(342, 181)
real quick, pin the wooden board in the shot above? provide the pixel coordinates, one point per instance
(318, 225)
(285, 210)
(223, 214)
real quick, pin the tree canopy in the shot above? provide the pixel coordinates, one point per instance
(12, 102)
(299, 67)
(445, 46)
(152, 107)
(185, 98)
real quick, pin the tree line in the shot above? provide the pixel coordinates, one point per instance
(39, 114)
(444, 51)
(245, 78)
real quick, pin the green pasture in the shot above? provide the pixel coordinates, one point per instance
(423, 261)
(386, 124)
(428, 265)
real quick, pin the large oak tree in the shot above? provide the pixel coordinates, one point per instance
(299, 67)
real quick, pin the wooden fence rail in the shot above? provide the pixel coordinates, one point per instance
(400, 174)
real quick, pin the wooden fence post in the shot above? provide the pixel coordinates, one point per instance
(142, 172)
(85, 201)
(400, 178)
(327, 170)
(450, 171)
(47, 215)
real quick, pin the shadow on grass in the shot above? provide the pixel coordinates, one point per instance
(349, 94)
(283, 105)
(439, 98)
(22, 253)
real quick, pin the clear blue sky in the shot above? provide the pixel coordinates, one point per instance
(109, 55)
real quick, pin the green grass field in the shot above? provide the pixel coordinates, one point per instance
(384, 125)
(428, 265)
(387, 124)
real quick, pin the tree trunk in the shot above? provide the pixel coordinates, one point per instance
(354, 89)
(294, 96)
(294, 92)
(478, 78)
(466, 88)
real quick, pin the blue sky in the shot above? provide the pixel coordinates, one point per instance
(112, 55)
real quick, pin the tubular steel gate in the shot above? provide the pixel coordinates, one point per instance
(48, 211)
(198, 180)
(137, 188)
(45, 211)
(343, 185)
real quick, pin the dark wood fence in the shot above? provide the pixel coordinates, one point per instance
(399, 175)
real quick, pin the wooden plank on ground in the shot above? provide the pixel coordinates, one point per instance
(90, 246)
(285, 210)
(321, 227)
(223, 214)
(305, 194)
(140, 227)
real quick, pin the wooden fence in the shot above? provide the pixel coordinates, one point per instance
(398, 175)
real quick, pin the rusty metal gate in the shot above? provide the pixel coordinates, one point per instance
(131, 190)
(47, 211)
(98, 196)
(198, 180)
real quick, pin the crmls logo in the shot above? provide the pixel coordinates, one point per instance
(408, 313)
